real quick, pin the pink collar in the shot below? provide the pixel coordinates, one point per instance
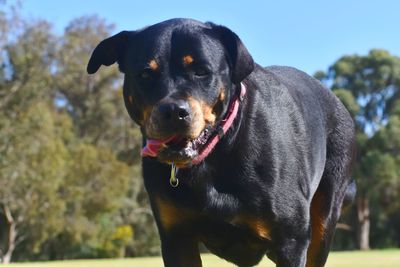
(223, 127)
(153, 146)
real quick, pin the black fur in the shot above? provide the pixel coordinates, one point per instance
(291, 142)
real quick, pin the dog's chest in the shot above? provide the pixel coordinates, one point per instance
(242, 240)
(242, 236)
(204, 201)
(173, 215)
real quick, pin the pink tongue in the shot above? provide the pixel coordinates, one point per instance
(153, 146)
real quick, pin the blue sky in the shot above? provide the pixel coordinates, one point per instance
(307, 34)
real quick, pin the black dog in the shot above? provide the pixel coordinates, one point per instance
(247, 160)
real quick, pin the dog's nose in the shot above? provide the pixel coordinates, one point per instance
(174, 112)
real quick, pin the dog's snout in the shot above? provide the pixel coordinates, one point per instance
(172, 117)
(174, 112)
(183, 112)
(180, 117)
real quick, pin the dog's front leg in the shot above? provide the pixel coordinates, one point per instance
(292, 250)
(180, 250)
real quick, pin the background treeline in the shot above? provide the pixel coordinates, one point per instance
(70, 183)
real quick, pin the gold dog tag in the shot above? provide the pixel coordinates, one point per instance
(173, 180)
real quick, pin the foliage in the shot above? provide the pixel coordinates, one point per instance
(373, 80)
(70, 183)
(369, 86)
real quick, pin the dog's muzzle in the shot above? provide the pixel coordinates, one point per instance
(186, 152)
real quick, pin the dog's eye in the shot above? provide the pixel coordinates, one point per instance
(146, 74)
(201, 72)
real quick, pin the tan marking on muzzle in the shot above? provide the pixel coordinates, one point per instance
(222, 94)
(198, 122)
(147, 122)
(202, 115)
(187, 60)
(147, 113)
(208, 113)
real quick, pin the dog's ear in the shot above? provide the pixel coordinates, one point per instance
(108, 52)
(240, 58)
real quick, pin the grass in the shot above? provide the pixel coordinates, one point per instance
(375, 258)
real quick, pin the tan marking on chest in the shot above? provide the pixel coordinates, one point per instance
(170, 215)
(256, 225)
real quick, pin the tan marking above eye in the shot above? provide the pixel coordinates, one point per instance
(153, 65)
(187, 60)
(130, 98)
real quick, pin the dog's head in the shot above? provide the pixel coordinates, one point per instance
(180, 76)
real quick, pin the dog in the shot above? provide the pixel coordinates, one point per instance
(250, 161)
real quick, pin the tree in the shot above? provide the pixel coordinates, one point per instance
(30, 151)
(68, 179)
(93, 101)
(386, 145)
(369, 87)
(95, 104)
(33, 156)
(94, 187)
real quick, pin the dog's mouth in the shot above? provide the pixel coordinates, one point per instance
(186, 152)
(177, 149)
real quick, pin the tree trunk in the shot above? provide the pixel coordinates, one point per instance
(12, 236)
(363, 222)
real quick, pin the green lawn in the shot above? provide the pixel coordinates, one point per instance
(382, 258)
